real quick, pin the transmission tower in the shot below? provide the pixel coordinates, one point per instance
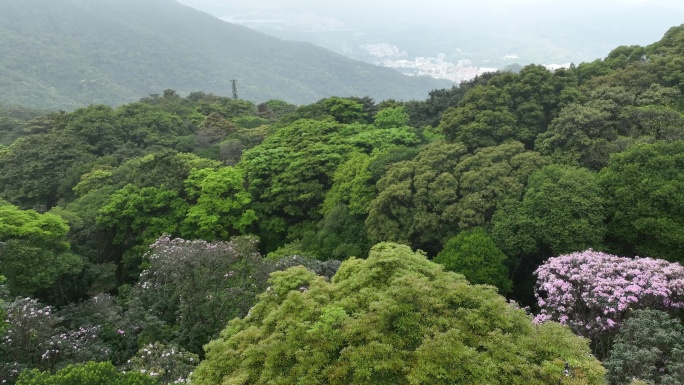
(234, 83)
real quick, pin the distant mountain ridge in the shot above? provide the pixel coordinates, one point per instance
(69, 53)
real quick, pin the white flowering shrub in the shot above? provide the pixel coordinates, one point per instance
(168, 364)
(34, 339)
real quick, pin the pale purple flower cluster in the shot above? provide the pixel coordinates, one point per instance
(593, 292)
(171, 257)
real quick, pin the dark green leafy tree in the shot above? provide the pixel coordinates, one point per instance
(213, 129)
(289, 173)
(483, 118)
(342, 233)
(341, 110)
(98, 127)
(649, 347)
(275, 109)
(509, 107)
(229, 108)
(591, 70)
(413, 197)
(338, 236)
(429, 112)
(445, 190)
(147, 126)
(394, 318)
(473, 254)
(613, 118)
(643, 189)
(96, 189)
(32, 168)
(166, 168)
(561, 211)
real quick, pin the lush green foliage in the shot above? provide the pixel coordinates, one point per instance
(644, 187)
(473, 254)
(220, 197)
(510, 107)
(445, 189)
(91, 373)
(394, 318)
(650, 347)
(290, 172)
(561, 211)
(493, 179)
(34, 251)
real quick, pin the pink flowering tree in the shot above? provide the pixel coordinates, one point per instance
(593, 292)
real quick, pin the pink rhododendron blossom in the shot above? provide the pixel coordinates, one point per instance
(593, 292)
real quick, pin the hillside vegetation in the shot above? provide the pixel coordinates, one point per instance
(63, 54)
(523, 228)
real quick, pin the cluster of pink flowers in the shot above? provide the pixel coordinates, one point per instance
(593, 292)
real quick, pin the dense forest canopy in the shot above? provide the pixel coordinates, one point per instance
(354, 241)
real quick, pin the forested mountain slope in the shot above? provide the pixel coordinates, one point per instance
(135, 234)
(69, 53)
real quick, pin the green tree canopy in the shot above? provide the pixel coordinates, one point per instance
(91, 373)
(290, 173)
(650, 347)
(473, 254)
(137, 216)
(394, 318)
(644, 193)
(33, 167)
(509, 107)
(34, 250)
(220, 204)
(613, 118)
(443, 190)
(391, 117)
(561, 211)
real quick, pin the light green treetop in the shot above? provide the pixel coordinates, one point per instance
(394, 318)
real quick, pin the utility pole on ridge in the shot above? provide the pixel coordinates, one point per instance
(234, 83)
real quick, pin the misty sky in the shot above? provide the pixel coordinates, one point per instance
(435, 8)
(599, 24)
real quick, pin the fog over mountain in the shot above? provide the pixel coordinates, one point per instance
(63, 54)
(490, 33)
